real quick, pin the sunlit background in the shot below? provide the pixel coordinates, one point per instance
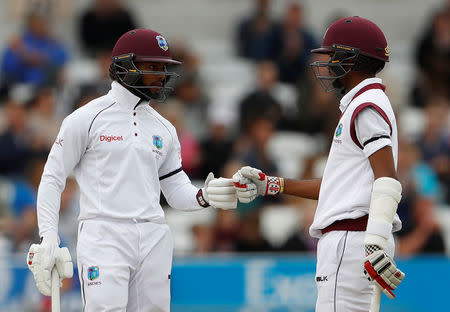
(245, 97)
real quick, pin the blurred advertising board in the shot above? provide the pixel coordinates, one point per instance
(263, 283)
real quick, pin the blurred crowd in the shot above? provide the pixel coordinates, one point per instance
(284, 111)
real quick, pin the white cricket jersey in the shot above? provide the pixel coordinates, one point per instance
(367, 124)
(123, 153)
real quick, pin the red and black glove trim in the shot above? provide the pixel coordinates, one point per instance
(374, 275)
(274, 185)
(201, 199)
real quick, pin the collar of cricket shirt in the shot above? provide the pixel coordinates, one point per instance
(124, 98)
(347, 98)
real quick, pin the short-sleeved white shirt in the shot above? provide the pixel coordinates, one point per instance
(367, 124)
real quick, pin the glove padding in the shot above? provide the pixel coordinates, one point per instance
(41, 261)
(381, 268)
(251, 182)
(219, 193)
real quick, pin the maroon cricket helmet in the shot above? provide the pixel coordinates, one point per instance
(354, 44)
(146, 45)
(142, 45)
(356, 32)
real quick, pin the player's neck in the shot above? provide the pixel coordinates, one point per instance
(355, 78)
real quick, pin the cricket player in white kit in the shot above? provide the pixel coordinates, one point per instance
(123, 154)
(358, 193)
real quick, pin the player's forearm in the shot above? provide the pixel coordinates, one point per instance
(48, 200)
(180, 193)
(303, 188)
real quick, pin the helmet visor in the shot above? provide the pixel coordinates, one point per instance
(328, 69)
(132, 77)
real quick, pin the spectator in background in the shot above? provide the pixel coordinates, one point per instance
(261, 101)
(300, 240)
(203, 238)
(280, 97)
(42, 118)
(255, 35)
(103, 15)
(251, 147)
(75, 96)
(420, 231)
(189, 90)
(194, 104)
(189, 59)
(294, 43)
(250, 238)
(35, 56)
(433, 59)
(317, 113)
(58, 10)
(19, 221)
(173, 111)
(216, 148)
(226, 231)
(434, 143)
(18, 197)
(18, 142)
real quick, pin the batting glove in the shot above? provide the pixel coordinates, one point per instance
(218, 193)
(251, 182)
(42, 257)
(381, 268)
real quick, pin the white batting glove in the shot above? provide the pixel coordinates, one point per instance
(246, 190)
(251, 182)
(64, 263)
(42, 257)
(218, 193)
(380, 268)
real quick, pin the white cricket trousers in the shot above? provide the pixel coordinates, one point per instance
(124, 265)
(341, 283)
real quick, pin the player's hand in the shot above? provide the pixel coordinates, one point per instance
(42, 257)
(219, 192)
(380, 268)
(251, 182)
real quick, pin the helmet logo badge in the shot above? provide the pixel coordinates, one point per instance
(387, 52)
(162, 43)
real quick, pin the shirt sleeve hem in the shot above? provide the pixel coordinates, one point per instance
(376, 145)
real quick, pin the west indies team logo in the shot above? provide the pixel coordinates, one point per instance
(162, 43)
(157, 141)
(93, 273)
(339, 130)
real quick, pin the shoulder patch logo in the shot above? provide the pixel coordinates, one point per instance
(162, 43)
(157, 141)
(339, 130)
(93, 273)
